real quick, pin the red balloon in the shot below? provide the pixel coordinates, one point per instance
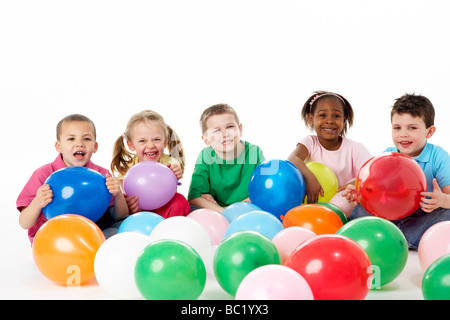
(335, 267)
(389, 185)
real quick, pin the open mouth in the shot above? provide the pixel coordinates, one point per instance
(151, 155)
(227, 141)
(405, 144)
(329, 130)
(79, 155)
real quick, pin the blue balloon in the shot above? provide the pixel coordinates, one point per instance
(141, 222)
(78, 190)
(259, 221)
(235, 210)
(276, 186)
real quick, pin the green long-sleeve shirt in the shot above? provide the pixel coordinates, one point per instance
(226, 181)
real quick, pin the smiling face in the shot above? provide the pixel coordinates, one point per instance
(410, 134)
(76, 143)
(328, 121)
(148, 140)
(223, 134)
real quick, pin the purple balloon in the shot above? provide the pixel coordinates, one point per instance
(152, 182)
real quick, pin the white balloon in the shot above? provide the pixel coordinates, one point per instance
(115, 261)
(187, 230)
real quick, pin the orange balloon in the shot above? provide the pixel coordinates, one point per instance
(64, 249)
(319, 219)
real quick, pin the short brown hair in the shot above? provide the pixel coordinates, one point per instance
(216, 109)
(73, 118)
(415, 105)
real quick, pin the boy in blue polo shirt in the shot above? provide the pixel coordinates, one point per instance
(412, 119)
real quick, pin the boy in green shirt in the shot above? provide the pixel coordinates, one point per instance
(223, 169)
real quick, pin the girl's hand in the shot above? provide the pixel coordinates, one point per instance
(433, 200)
(350, 194)
(313, 189)
(176, 170)
(44, 196)
(133, 204)
(113, 185)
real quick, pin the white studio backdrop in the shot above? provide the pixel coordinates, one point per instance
(111, 59)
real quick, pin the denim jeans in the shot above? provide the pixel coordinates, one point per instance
(414, 226)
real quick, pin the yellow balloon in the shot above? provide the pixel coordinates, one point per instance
(327, 179)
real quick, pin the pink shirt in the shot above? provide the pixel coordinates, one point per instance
(37, 180)
(345, 162)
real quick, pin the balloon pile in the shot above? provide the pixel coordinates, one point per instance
(390, 186)
(276, 247)
(77, 190)
(259, 259)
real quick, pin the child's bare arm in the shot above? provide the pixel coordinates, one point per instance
(204, 202)
(313, 188)
(29, 215)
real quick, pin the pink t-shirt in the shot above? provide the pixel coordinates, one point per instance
(37, 180)
(345, 162)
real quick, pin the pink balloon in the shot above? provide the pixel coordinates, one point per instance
(342, 203)
(274, 282)
(213, 222)
(152, 182)
(290, 238)
(434, 243)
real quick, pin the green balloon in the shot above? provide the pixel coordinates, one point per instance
(383, 242)
(169, 270)
(436, 280)
(239, 254)
(336, 209)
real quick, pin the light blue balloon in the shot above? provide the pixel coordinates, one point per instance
(235, 210)
(259, 221)
(142, 222)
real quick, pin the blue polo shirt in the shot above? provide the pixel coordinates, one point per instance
(435, 162)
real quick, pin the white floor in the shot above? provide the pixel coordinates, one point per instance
(20, 279)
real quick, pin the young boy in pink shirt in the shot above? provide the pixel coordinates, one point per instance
(76, 143)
